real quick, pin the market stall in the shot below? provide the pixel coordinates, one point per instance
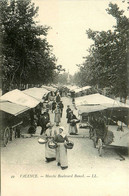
(82, 91)
(37, 93)
(97, 110)
(18, 97)
(13, 106)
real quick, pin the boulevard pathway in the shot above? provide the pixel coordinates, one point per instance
(23, 162)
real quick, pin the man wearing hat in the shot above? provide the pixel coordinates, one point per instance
(72, 124)
(44, 119)
(61, 105)
(68, 113)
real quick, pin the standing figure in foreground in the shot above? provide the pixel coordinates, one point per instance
(44, 120)
(58, 98)
(61, 151)
(50, 154)
(68, 113)
(57, 115)
(61, 107)
(53, 106)
(72, 124)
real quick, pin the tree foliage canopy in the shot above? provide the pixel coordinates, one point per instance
(106, 64)
(26, 55)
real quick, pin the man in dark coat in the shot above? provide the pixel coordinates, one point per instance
(61, 106)
(44, 120)
(53, 106)
(58, 99)
(68, 112)
(72, 124)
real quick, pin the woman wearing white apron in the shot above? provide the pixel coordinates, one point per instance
(61, 151)
(50, 154)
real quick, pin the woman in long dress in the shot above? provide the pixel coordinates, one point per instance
(61, 151)
(57, 115)
(50, 154)
(72, 124)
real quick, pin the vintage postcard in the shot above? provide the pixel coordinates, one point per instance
(64, 105)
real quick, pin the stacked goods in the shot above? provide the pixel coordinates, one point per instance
(109, 138)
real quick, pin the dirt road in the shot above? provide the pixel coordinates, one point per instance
(25, 172)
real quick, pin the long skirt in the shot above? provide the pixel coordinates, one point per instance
(57, 118)
(49, 153)
(73, 129)
(61, 155)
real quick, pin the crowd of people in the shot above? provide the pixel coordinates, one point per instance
(41, 117)
(59, 137)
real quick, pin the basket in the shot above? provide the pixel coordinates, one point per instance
(52, 144)
(69, 145)
(42, 141)
(74, 122)
(77, 121)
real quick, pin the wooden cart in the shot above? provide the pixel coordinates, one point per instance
(114, 137)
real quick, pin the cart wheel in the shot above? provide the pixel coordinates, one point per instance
(6, 136)
(100, 146)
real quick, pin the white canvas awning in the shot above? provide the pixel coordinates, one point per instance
(89, 109)
(82, 89)
(36, 93)
(72, 88)
(18, 97)
(53, 85)
(12, 108)
(49, 88)
(97, 99)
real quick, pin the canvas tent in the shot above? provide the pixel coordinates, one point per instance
(36, 93)
(12, 108)
(49, 88)
(97, 99)
(89, 109)
(82, 89)
(72, 88)
(18, 97)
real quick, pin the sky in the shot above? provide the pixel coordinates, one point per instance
(69, 20)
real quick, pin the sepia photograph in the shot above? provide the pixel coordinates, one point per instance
(64, 97)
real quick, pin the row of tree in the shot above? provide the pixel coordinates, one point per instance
(107, 64)
(26, 56)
